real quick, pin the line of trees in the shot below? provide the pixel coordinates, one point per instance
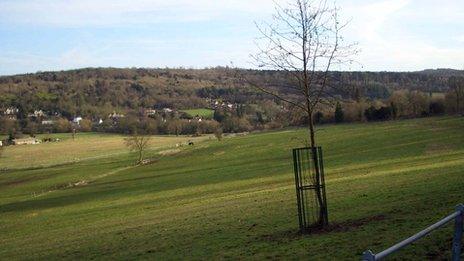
(402, 104)
(260, 115)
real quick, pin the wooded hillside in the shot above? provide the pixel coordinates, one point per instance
(97, 92)
(47, 101)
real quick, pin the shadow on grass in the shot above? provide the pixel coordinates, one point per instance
(45, 203)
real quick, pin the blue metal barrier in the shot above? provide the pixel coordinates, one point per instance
(457, 216)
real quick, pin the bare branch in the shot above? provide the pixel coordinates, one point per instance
(304, 41)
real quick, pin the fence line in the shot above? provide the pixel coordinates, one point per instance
(457, 216)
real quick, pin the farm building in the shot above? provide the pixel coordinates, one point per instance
(26, 141)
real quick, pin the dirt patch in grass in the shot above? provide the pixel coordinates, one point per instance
(290, 235)
(348, 225)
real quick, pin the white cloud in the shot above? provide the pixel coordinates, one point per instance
(111, 12)
(367, 21)
(389, 40)
(392, 34)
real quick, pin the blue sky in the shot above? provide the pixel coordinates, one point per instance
(39, 35)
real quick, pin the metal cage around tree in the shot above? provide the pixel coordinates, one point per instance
(310, 188)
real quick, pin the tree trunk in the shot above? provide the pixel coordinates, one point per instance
(140, 156)
(311, 131)
(317, 181)
(458, 102)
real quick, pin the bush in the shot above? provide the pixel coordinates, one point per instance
(62, 125)
(85, 125)
(437, 108)
(208, 126)
(236, 124)
(381, 114)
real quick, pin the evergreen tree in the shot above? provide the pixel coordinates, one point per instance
(394, 110)
(339, 115)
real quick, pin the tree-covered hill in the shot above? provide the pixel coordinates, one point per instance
(99, 91)
(155, 101)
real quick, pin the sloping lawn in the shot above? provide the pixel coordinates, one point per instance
(235, 199)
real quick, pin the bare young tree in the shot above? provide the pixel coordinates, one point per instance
(303, 43)
(139, 144)
(218, 134)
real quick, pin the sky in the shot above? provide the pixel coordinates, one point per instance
(45, 35)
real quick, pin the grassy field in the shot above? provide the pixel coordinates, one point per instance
(83, 147)
(235, 199)
(204, 113)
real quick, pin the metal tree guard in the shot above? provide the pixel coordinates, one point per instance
(310, 188)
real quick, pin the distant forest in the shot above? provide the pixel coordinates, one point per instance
(44, 101)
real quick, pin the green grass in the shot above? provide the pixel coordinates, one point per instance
(204, 113)
(235, 199)
(83, 147)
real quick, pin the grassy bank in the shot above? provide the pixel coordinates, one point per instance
(236, 198)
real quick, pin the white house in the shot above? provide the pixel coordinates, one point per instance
(26, 141)
(115, 115)
(77, 120)
(39, 113)
(48, 122)
(11, 111)
(36, 114)
(150, 112)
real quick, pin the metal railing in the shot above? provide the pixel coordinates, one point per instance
(457, 216)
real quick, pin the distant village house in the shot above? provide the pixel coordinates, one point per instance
(11, 111)
(36, 114)
(26, 141)
(48, 122)
(115, 115)
(150, 112)
(77, 120)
